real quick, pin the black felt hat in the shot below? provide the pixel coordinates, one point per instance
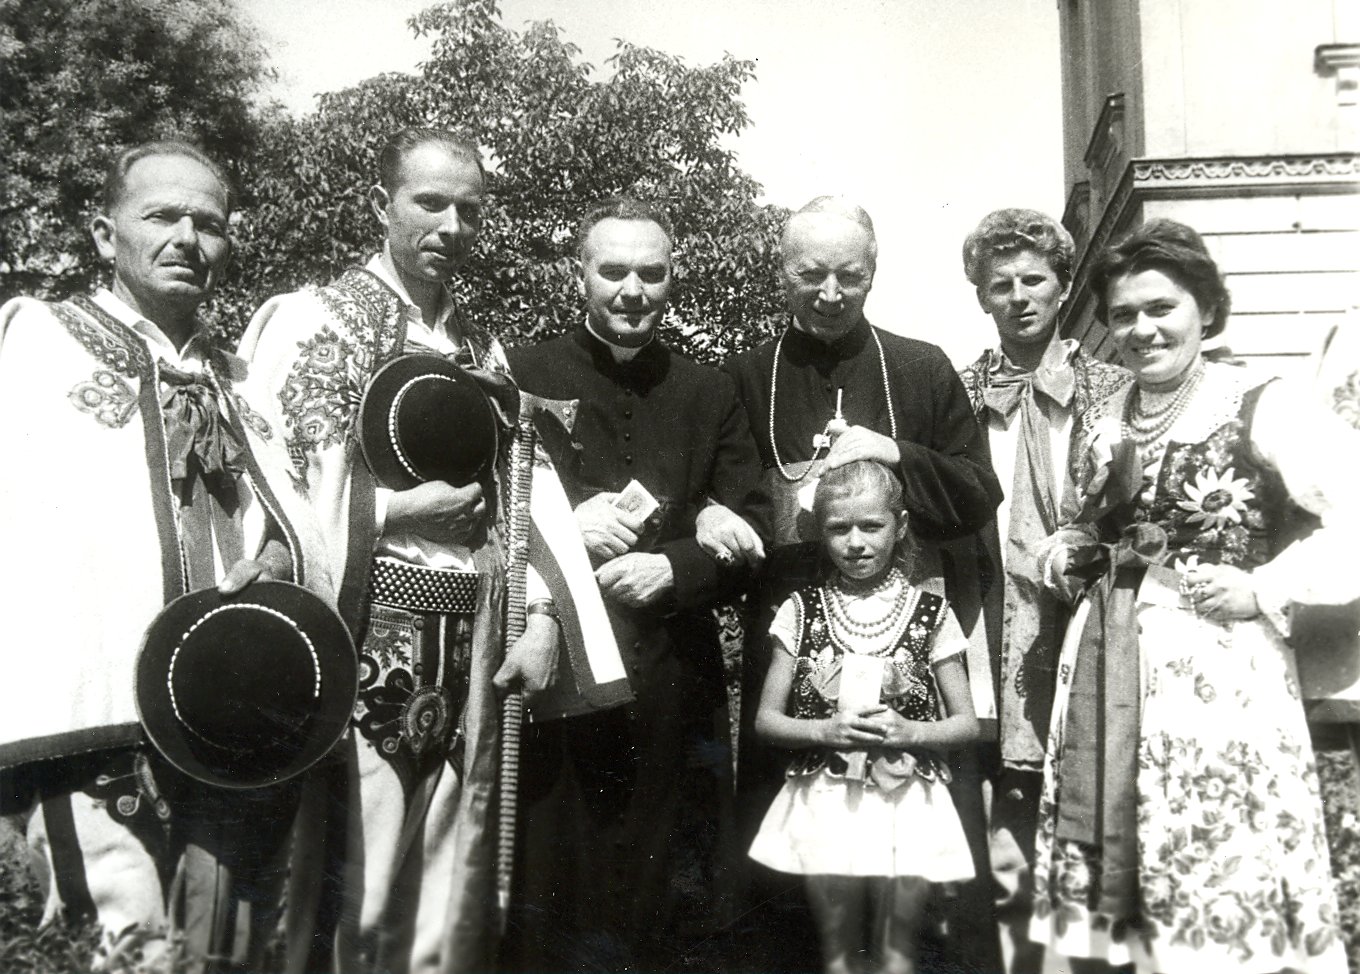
(246, 690)
(423, 418)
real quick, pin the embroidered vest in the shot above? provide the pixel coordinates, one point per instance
(1217, 502)
(816, 682)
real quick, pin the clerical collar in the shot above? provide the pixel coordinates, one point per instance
(620, 353)
(800, 345)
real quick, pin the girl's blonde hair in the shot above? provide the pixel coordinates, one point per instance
(860, 476)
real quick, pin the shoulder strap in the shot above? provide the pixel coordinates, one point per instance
(118, 347)
(104, 336)
(929, 611)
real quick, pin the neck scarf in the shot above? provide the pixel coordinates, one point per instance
(205, 458)
(1032, 620)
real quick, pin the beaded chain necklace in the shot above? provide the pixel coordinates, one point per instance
(825, 434)
(1147, 427)
(844, 629)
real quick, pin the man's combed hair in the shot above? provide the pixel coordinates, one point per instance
(622, 208)
(115, 177)
(1003, 233)
(403, 143)
(1178, 252)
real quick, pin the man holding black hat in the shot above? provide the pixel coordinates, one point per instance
(421, 565)
(133, 474)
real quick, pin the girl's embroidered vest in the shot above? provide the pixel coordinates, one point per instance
(1217, 501)
(909, 685)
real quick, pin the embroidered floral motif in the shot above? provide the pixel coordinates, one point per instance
(1211, 498)
(405, 709)
(128, 792)
(320, 397)
(1346, 399)
(107, 397)
(1216, 500)
(908, 686)
(253, 419)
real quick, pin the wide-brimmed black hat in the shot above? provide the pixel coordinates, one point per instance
(423, 418)
(246, 690)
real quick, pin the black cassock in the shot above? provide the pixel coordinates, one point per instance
(621, 810)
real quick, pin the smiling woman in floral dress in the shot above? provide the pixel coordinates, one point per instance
(1181, 828)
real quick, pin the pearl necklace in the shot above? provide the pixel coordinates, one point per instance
(1147, 427)
(844, 628)
(774, 384)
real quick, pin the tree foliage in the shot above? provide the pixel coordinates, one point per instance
(82, 79)
(559, 139)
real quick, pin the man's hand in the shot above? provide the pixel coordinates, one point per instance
(273, 564)
(636, 580)
(532, 661)
(859, 443)
(727, 537)
(438, 512)
(606, 531)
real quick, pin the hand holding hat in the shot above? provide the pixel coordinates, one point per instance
(439, 512)
(424, 419)
(246, 690)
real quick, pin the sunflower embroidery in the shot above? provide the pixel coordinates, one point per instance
(1216, 500)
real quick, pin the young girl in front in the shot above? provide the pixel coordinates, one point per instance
(865, 813)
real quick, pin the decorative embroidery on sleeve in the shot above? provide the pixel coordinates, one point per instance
(106, 338)
(253, 419)
(321, 395)
(107, 397)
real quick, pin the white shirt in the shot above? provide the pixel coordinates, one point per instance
(404, 545)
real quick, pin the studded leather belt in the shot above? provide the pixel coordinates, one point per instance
(418, 588)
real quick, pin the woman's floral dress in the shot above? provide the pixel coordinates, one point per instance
(1233, 872)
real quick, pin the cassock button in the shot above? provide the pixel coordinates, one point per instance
(627, 437)
(627, 458)
(627, 414)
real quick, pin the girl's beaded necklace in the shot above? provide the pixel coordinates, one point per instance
(868, 636)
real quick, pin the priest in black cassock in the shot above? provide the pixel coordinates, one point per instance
(621, 808)
(831, 389)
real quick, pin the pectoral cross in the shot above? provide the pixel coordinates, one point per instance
(835, 426)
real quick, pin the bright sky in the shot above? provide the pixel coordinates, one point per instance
(929, 112)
